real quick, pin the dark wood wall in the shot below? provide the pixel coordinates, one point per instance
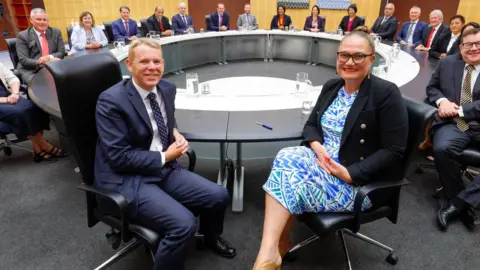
(198, 9)
(402, 8)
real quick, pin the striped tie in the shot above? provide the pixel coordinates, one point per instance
(466, 97)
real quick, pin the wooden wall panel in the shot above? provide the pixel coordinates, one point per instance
(448, 7)
(200, 8)
(470, 9)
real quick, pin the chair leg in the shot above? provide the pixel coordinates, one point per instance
(122, 253)
(345, 249)
(303, 243)
(391, 258)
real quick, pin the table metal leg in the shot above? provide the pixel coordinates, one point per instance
(265, 49)
(222, 180)
(270, 49)
(238, 182)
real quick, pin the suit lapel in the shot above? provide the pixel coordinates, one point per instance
(51, 41)
(167, 101)
(476, 88)
(33, 35)
(355, 110)
(138, 104)
(458, 68)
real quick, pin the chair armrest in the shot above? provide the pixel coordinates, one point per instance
(118, 199)
(367, 189)
(192, 159)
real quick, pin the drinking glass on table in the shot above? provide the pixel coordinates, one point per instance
(151, 34)
(119, 44)
(302, 84)
(192, 84)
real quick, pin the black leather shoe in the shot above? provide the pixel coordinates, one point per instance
(220, 246)
(470, 219)
(446, 213)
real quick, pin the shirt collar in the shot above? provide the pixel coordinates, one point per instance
(142, 92)
(455, 36)
(414, 21)
(38, 33)
(436, 27)
(124, 21)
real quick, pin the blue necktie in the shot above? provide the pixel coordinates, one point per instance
(162, 129)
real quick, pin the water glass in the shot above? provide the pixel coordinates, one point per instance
(205, 88)
(157, 36)
(307, 106)
(192, 84)
(377, 39)
(151, 34)
(202, 31)
(340, 31)
(376, 71)
(292, 27)
(303, 84)
(190, 29)
(286, 28)
(119, 44)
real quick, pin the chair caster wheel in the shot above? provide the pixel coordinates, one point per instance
(7, 151)
(392, 259)
(114, 239)
(419, 170)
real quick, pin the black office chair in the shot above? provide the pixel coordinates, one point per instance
(9, 140)
(385, 195)
(69, 35)
(324, 18)
(208, 23)
(109, 31)
(363, 19)
(79, 82)
(144, 27)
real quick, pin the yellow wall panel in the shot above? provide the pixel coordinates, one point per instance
(470, 9)
(62, 12)
(265, 9)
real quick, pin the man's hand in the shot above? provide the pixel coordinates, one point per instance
(44, 59)
(403, 42)
(337, 169)
(447, 109)
(181, 142)
(173, 152)
(223, 28)
(132, 38)
(321, 153)
(167, 33)
(421, 48)
(443, 55)
(13, 98)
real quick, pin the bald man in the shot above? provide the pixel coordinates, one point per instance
(159, 23)
(386, 26)
(182, 21)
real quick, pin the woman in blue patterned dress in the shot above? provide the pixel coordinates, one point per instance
(356, 133)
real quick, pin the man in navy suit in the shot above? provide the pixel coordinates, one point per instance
(125, 27)
(181, 21)
(386, 26)
(220, 21)
(412, 31)
(432, 34)
(455, 89)
(136, 155)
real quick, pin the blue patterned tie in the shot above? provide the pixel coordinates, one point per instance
(162, 129)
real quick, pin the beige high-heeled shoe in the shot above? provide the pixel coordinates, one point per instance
(268, 266)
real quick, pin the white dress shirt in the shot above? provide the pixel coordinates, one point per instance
(453, 38)
(474, 79)
(156, 141)
(410, 39)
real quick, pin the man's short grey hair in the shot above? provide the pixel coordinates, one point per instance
(418, 8)
(37, 10)
(437, 12)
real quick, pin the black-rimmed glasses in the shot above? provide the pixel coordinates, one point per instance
(357, 58)
(469, 45)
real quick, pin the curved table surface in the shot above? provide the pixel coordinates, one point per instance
(411, 71)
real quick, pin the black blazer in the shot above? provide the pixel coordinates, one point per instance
(441, 46)
(357, 21)
(286, 21)
(375, 134)
(442, 30)
(386, 30)
(153, 24)
(308, 24)
(446, 82)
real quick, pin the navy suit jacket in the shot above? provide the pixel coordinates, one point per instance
(446, 82)
(178, 24)
(214, 21)
(417, 34)
(119, 29)
(286, 21)
(386, 30)
(123, 158)
(308, 24)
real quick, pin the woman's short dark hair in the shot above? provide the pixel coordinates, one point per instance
(318, 9)
(281, 6)
(85, 13)
(458, 16)
(353, 6)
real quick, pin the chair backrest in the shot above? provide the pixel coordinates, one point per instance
(12, 50)
(363, 19)
(324, 18)
(109, 30)
(79, 81)
(144, 27)
(208, 20)
(69, 35)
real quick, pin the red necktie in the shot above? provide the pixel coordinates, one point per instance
(161, 25)
(430, 38)
(220, 20)
(126, 28)
(45, 50)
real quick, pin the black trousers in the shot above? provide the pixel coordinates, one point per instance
(168, 207)
(448, 143)
(471, 194)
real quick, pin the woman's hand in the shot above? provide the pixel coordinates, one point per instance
(338, 170)
(13, 98)
(321, 153)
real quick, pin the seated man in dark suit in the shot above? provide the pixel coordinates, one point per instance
(411, 32)
(386, 26)
(220, 20)
(455, 89)
(182, 21)
(447, 43)
(433, 33)
(37, 45)
(159, 23)
(136, 155)
(125, 27)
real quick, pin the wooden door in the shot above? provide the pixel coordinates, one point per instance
(198, 9)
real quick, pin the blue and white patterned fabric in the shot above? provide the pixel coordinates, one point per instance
(299, 184)
(334, 4)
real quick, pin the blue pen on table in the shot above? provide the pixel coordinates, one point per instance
(265, 126)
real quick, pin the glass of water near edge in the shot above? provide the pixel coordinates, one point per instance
(307, 105)
(192, 84)
(302, 84)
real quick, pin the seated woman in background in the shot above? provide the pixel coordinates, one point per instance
(446, 42)
(351, 21)
(281, 20)
(427, 143)
(87, 35)
(314, 23)
(26, 119)
(363, 28)
(357, 133)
